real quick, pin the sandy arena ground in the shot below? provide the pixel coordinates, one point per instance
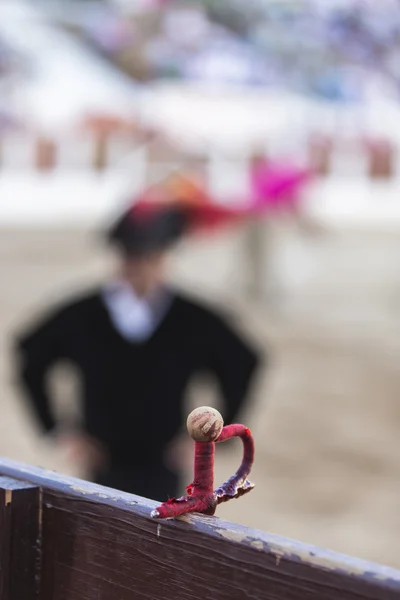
(327, 414)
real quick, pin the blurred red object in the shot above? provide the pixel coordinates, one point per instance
(277, 185)
(320, 150)
(381, 157)
(186, 191)
(106, 124)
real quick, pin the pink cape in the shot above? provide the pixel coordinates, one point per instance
(277, 185)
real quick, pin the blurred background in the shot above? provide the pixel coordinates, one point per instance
(100, 98)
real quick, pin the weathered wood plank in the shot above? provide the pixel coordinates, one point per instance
(5, 544)
(101, 544)
(19, 539)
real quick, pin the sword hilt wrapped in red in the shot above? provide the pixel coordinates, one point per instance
(206, 427)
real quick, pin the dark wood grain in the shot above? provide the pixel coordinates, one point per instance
(5, 544)
(100, 544)
(19, 540)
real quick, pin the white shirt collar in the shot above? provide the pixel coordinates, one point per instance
(135, 318)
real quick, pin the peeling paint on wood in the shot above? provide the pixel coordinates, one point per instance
(99, 544)
(19, 538)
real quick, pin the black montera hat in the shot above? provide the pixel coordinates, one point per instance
(165, 212)
(143, 229)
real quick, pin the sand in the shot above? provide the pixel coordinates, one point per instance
(326, 414)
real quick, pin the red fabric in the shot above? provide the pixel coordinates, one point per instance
(177, 190)
(209, 217)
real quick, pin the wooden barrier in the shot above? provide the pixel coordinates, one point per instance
(45, 154)
(99, 149)
(20, 516)
(319, 154)
(66, 539)
(381, 155)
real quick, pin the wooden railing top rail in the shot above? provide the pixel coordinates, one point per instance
(97, 543)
